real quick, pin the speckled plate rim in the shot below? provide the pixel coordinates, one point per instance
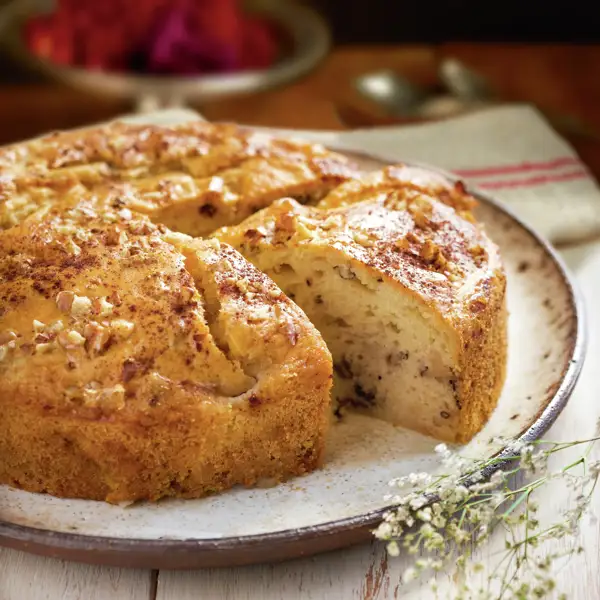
(305, 541)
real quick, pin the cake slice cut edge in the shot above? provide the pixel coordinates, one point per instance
(409, 296)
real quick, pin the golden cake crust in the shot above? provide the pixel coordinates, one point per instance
(192, 177)
(138, 363)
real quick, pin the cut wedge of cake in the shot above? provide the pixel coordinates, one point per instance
(408, 294)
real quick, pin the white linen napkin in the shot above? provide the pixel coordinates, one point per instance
(509, 152)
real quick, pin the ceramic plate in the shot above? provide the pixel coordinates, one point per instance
(343, 502)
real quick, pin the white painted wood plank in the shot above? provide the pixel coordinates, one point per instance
(353, 574)
(28, 577)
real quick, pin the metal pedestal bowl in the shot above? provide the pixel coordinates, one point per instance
(307, 36)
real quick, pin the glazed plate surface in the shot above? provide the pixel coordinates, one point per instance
(343, 502)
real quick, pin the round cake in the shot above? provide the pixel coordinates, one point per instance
(138, 360)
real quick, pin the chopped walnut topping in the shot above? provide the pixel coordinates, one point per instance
(125, 214)
(429, 251)
(260, 313)
(255, 235)
(173, 237)
(213, 243)
(330, 222)
(122, 328)
(112, 398)
(141, 227)
(70, 339)
(116, 237)
(394, 200)
(65, 228)
(45, 347)
(216, 184)
(242, 285)
(115, 299)
(225, 265)
(101, 307)
(363, 239)
(64, 301)
(72, 248)
(82, 235)
(285, 222)
(55, 327)
(274, 293)
(81, 305)
(109, 217)
(420, 210)
(442, 263)
(422, 204)
(7, 336)
(402, 244)
(479, 254)
(96, 337)
(303, 232)
(433, 255)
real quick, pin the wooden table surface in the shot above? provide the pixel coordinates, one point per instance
(559, 79)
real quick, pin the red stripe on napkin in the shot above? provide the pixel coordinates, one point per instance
(549, 165)
(537, 180)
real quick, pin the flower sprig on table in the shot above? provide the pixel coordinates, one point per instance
(442, 519)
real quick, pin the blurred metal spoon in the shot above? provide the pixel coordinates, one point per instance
(396, 94)
(467, 90)
(464, 82)
(471, 86)
(400, 97)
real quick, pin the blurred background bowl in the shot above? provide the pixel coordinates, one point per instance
(305, 42)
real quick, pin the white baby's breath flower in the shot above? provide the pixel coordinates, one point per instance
(468, 510)
(442, 450)
(417, 502)
(594, 468)
(438, 521)
(424, 514)
(384, 530)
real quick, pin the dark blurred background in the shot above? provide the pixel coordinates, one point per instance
(392, 21)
